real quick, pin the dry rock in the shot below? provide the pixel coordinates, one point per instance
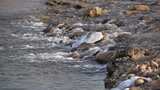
(141, 7)
(96, 11)
(155, 85)
(137, 53)
(137, 9)
(135, 88)
(139, 81)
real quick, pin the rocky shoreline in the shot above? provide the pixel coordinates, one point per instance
(124, 34)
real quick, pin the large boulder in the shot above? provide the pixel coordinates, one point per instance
(110, 56)
(104, 57)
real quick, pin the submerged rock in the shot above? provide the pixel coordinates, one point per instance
(74, 55)
(88, 39)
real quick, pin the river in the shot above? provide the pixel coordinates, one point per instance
(30, 61)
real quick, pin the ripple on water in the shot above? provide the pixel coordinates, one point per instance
(45, 57)
(30, 22)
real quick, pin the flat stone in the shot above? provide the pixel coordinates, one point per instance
(94, 37)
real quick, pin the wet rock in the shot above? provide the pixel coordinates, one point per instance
(91, 52)
(94, 37)
(111, 55)
(77, 32)
(79, 41)
(49, 28)
(74, 55)
(50, 3)
(104, 57)
(53, 30)
(44, 18)
(85, 46)
(137, 44)
(88, 39)
(122, 36)
(66, 40)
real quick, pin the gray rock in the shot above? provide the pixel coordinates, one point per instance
(94, 37)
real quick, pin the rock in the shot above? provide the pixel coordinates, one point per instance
(50, 3)
(139, 81)
(74, 55)
(66, 40)
(44, 18)
(155, 85)
(137, 9)
(94, 37)
(126, 84)
(130, 13)
(77, 32)
(129, 83)
(136, 53)
(91, 52)
(141, 7)
(49, 28)
(104, 57)
(96, 11)
(85, 46)
(79, 41)
(135, 88)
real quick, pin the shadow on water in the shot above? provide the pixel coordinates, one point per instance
(27, 58)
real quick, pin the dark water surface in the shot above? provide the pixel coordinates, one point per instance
(30, 61)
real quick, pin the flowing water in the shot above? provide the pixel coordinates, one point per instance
(31, 61)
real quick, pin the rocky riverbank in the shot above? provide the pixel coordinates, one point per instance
(124, 34)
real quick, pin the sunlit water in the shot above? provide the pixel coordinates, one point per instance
(32, 61)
